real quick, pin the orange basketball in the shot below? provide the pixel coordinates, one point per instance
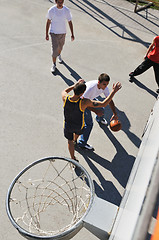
(115, 125)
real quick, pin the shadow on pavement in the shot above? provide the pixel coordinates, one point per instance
(67, 80)
(141, 85)
(96, 13)
(121, 164)
(73, 73)
(120, 167)
(125, 124)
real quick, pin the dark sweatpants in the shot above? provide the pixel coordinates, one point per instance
(144, 66)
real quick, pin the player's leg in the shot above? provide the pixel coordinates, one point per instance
(71, 149)
(144, 66)
(54, 60)
(76, 137)
(77, 134)
(54, 41)
(100, 114)
(87, 130)
(156, 71)
(61, 42)
(69, 136)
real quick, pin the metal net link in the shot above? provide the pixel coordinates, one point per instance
(51, 204)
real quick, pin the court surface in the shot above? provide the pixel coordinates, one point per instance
(109, 37)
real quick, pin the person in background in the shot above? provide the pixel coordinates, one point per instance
(57, 17)
(151, 59)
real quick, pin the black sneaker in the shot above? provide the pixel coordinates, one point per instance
(157, 90)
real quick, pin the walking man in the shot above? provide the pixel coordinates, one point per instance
(74, 107)
(150, 60)
(57, 17)
(94, 89)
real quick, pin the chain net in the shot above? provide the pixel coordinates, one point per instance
(50, 197)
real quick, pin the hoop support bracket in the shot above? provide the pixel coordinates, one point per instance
(101, 218)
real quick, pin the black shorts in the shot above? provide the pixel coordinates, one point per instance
(69, 133)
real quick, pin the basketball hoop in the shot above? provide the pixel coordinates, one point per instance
(50, 198)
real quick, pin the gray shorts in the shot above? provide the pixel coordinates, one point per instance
(58, 40)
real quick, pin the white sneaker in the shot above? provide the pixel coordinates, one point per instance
(60, 59)
(53, 69)
(104, 122)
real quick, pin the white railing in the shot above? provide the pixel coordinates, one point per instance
(138, 202)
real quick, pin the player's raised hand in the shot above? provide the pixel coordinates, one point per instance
(117, 86)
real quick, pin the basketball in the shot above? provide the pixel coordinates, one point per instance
(115, 125)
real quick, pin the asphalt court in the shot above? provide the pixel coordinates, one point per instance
(109, 37)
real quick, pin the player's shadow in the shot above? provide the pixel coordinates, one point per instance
(141, 85)
(67, 80)
(73, 73)
(120, 167)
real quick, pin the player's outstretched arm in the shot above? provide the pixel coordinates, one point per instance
(107, 100)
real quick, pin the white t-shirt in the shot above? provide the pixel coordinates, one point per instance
(58, 19)
(92, 90)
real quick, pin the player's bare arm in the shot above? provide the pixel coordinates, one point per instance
(92, 103)
(71, 29)
(112, 106)
(47, 29)
(87, 103)
(98, 112)
(65, 92)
